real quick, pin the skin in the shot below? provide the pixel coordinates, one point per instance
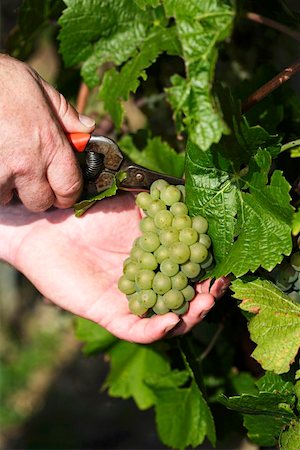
(76, 263)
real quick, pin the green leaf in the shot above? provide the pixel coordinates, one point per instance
(183, 417)
(296, 223)
(244, 383)
(130, 366)
(157, 155)
(275, 328)
(201, 26)
(100, 31)
(95, 337)
(116, 85)
(290, 438)
(144, 3)
(249, 217)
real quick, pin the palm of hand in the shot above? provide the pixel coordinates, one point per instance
(76, 263)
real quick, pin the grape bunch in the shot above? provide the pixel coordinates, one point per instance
(287, 276)
(172, 252)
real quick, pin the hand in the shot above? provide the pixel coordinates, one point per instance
(76, 263)
(36, 159)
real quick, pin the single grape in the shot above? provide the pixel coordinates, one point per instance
(191, 269)
(173, 299)
(208, 261)
(168, 236)
(144, 279)
(149, 242)
(296, 285)
(126, 286)
(205, 240)
(179, 209)
(161, 283)
(181, 188)
(169, 267)
(286, 274)
(131, 269)
(136, 253)
(155, 206)
(161, 253)
(160, 307)
(198, 253)
(163, 219)
(188, 236)
(182, 309)
(170, 195)
(284, 287)
(295, 261)
(179, 281)
(136, 307)
(143, 200)
(295, 295)
(147, 224)
(156, 188)
(179, 252)
(188, 293)
(148, 261)
(181, 222)
(127, 261)
(147, 298)
(200, 224)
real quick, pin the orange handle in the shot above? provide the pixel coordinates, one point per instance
(78, 140)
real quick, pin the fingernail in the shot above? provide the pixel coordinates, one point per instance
(86, 121)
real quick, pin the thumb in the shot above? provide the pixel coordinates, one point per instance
(70, 120)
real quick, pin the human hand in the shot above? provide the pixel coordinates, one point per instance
(36, 158)
(76, 263)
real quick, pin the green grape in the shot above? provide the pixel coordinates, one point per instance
(296, 285)
(136, 253)
(160, 307)
(200, 224)
(136, 307)
(147, 224)
(144, 279)
(286, 274)
(127, 261)
(161, 253)
(126, 286)
(198, 253)
(188, 236)
(149, 242)
(169, 267)
(191, 269)
(181, 188)
(205, 240)
(163, 219)
(295, 295)
(170, 195)
(284, 287)
(131, 269)
(148, 261)
(173, 299)
(179, 252)
(156, 188)
(208, 261)
(143, 200)
(161, 283)
(182, 309)
(179, 281)
(155, 206)
(179, 209)
(181, 222)
(147, 298)
(295, 261)
(188, 293)
(168, 236)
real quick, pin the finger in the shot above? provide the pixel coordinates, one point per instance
(203, 287)
(220, 286)
(68, 117)
(35, 195)
(198, 309)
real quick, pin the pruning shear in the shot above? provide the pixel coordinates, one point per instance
(104, 159)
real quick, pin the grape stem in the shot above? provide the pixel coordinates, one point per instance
(82, 98)
(258, 18)
(212, 342)
(270, 86)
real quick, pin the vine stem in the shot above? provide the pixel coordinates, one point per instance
(82, 98)
(273, 24)
(212, 342)
(270, 86)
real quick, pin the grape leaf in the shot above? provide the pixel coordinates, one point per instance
(116, 85)
(81, 207)
(290, 438)
(244, 210)
(275, 328)
(296, 223)
(200, 25)
(94, 336)
(144, 3)
(157, 155)
(97, 32)
(130, 365)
